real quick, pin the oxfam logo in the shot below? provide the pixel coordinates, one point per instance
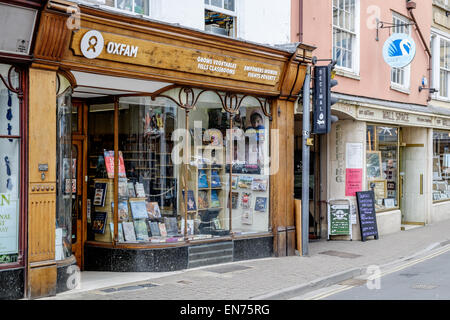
(92, 44)
(399, 50)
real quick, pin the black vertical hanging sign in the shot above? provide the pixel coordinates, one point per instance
(320, 97)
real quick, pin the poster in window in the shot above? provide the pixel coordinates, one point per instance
(437, 174)
(379, 188)
(373, 164)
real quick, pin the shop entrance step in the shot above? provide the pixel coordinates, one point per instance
(209, 254)
(405, 227)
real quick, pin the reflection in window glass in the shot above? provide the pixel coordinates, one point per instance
(441, 165)
(63, 239)
(382, 165)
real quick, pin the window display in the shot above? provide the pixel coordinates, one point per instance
(441, 165)
(382, 165)
(173, 182)
(10, 145)
(64, 168)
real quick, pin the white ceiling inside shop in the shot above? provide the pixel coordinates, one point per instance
(90, 85)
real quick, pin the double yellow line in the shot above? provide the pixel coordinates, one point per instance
(389, 271)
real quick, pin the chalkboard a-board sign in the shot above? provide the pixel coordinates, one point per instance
(367, 215)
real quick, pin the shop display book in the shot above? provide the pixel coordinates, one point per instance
(215, 179)
(261, 204)
(99, 222)
(245, 182)
(259, 184)
(109, 163)
(138, 209)
(139, 188)
(128, 231)
(141, 230)
(153, 210)
(120, 232)
(122, 211)
(154, 229)
(100, 194)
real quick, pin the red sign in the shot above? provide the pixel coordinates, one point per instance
(353, 182)
(109, 163)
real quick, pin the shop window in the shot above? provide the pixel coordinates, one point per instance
(64, 172)
(135, 6)
(444, 69)
(345, 34)
(220, 17)
(382, 165)
(441, 165)
(10, 175)
(175, 183)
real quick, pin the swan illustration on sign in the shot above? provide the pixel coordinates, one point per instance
(399, 50)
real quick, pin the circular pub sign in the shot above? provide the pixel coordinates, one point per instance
(399, 50)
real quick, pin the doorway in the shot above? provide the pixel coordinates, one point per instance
(413, 163)
(79, 194)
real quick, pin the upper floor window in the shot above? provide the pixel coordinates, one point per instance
(400, 76)
(135, 6)
(345, 33)
(444, 68)
(220, 17)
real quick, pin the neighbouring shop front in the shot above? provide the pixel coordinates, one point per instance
(15, 59)
(200, 128)
(396, 150)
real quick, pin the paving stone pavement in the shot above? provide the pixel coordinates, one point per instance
(259, 278)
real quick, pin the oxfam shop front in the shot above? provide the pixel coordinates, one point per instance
(190, 127)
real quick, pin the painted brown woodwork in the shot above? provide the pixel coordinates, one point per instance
(52, 37)
(41, 221)
(169, 53)
(41, 192)
(42, 124)
(174, 57)
(42, 281)
(278, 176)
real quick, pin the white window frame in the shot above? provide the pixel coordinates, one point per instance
(436, 37)
(222, 9)
(406, 85)
(354, 71)
(115, 8)
(227, 12)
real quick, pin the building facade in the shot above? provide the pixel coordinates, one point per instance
(386, 138)
(200, 126)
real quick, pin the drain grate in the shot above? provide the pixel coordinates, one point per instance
(226, 269)
(129, 288)
(340, 254)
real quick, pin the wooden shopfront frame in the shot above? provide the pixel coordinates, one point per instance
(58, 49)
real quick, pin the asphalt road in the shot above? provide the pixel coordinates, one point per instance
(427, 280)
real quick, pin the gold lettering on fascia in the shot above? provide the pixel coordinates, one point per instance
(215, 65)
(122, 49)
(426, 120)
(260, 73)
(363, 112)
(395, 116)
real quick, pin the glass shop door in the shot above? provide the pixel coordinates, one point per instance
(79, 204)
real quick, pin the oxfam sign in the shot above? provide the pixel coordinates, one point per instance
(399, 50)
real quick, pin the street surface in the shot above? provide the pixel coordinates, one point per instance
(425, 279)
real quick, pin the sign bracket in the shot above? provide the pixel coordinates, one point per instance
(389, 25)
